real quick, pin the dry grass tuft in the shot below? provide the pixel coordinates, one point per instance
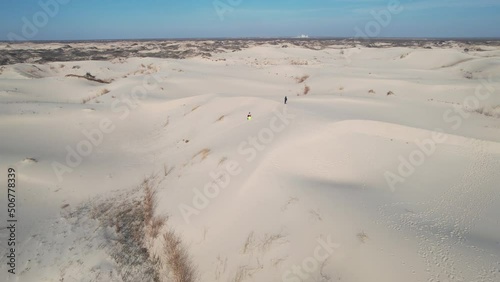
(134, 244)
(129, 248)
(167, 170)
(150, 202)
(223, 160)
(315, 214)
(362, 236)
(299, 63)
(220, 267)
(86, 100)
(220, 118)
(390, 93)
(276, 262)
(249, 243)
(269, 239)
(371, 91)
(177, 258)
(241, 274)
(157, 224)
(30, 160)
(489, 111)
(195, 108)
(302, 78)
(203, 153)
(153, 224)
(167, 122)
(90, 77)
(244, 272)
(324, 277)
(306, 90)
(468, 75)
(90, 98)
(290, 201)
(174, 256)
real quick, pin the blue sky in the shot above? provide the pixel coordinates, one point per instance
(134, 19)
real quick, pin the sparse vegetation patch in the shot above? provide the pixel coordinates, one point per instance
(301, 79)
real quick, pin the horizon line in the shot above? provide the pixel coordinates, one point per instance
(449, 38)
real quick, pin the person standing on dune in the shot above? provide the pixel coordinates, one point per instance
(249, 116)
(286, 99)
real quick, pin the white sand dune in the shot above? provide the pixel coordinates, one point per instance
(314, 170)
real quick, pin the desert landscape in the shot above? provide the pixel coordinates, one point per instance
(135, 160)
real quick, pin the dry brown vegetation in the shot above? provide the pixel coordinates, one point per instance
(117, 53)
(30, 160)
(249, 242)
(220, 118)
(243, 273)
(174, 256)
(140, 233)
(222, 160)
(203, 153)
(302, 78)
(149, 69)
(306, 90)
(86, 100)
(90, 98)
(167, 170)
(371, 91)
(177, 258)
(126, 215)
(290, 201)
(315, 214)
(362, 236)
(269, 239)
(390, 93)
(167, 122)
(489, 111)
(90, 78)
(265, 242)
(299, 63)
(152, 222)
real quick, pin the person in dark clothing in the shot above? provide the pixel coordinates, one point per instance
(286, 99)
(249, 116)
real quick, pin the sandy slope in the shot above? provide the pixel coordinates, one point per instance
(312, 171)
